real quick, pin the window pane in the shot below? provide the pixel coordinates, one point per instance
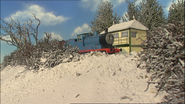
(116, 35)
(124, 34)
(133, 34)
(79, 37)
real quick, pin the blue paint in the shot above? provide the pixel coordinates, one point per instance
(85, 41)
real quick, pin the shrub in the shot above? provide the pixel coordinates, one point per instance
(32, 55)
(164, 55)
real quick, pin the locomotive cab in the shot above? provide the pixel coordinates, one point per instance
(82, 36)
(79, 37)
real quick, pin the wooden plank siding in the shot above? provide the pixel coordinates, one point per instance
(131, 42)
(141, 35)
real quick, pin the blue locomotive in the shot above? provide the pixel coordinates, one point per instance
(88, 42)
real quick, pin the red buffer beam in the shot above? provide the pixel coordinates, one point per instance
(107, 50)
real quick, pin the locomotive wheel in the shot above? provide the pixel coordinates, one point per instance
(109, 38)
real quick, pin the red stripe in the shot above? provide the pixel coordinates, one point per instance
(107, 50)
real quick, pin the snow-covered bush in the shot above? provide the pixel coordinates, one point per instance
(46, 54)
(164, 55)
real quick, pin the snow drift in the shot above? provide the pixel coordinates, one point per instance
(97, 78)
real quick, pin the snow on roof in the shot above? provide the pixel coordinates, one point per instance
(126, 25)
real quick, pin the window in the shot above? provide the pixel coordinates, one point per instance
(133, 34)
(124, 34)
(84, 35)
(79, 37)
(116, 35)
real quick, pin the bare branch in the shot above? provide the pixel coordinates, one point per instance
(36, 27)
(19, 34)
(164, 55)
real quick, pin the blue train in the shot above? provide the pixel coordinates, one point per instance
(88, 42)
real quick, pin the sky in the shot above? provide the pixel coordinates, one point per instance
(64, 19)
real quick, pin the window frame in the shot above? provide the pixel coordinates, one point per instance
(134, 35)
(122, 35)
(116, 35)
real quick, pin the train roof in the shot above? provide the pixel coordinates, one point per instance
(84, 33)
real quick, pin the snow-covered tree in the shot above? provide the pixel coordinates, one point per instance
(176, 11)
(132, 11)
(104, 17)
(149, 12)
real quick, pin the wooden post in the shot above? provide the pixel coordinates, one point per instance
(129, 40)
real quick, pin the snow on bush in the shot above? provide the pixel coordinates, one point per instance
(164, 55)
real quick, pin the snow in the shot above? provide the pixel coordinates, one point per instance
(99, 78)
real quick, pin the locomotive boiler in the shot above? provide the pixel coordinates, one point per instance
(88, 42)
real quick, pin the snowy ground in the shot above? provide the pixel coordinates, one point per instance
(93, 79)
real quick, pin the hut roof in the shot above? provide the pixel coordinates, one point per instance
(126, 25)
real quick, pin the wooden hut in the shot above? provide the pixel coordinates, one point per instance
(128, 35)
